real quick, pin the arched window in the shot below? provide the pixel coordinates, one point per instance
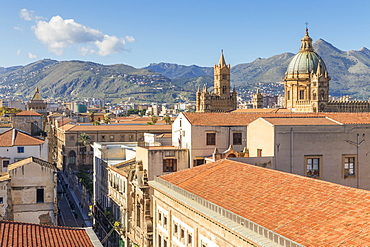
(72, 157)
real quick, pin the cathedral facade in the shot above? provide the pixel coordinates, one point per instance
(306, 84)
(221, 99)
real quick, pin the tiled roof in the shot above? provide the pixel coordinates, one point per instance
(116, 127)
(266, 110)
(300, 121)
(14, 137)
(308, 211)
(28, 113)
(245, 118)
(19, 234)
(29, 160)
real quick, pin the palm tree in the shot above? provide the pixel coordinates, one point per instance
(84, 140)
(106, 119)
(96, 122)
(154, 119)
(167, 119)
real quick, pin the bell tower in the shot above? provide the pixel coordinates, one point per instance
(222, 78)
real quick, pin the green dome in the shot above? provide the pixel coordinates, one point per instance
(306, 62)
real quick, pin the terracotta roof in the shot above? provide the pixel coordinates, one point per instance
(308, 211)
(267, 110)
(29, 160)
(14, 137)
(235, 119)
(245, 118)
(350, 118)
(300, 121)
(115, 127)
(27, 234)
(28, 113)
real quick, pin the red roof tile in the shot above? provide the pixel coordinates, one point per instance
(14, 137)
(27, 234)
(306, 210)
(28, 113)
(245, 118)
(300, 121)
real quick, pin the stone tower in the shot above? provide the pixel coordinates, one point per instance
(306, 81)
(37, 103)
(222, 99)
(257, 100)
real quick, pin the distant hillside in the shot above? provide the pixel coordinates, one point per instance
(175, 71)
(78, 79)
(164, 82)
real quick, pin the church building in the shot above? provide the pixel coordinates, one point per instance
(37, 103)
(222, 99)
(306, 84)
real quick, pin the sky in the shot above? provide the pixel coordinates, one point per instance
(140, 32)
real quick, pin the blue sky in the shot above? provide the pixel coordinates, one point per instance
(140, 32)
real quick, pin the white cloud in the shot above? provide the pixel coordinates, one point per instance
(130, 39)
(110, 45)
(19, 52)
(60, 33)
(18, 28)
(32, 56)
(28, 15)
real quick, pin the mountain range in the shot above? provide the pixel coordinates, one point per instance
(165, 82)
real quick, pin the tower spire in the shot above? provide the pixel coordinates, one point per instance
(222, 62)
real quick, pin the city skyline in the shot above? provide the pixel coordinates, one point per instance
(138, 33)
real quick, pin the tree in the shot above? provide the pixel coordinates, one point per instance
(106, 119)
(167, 119)
(154, 119)
(84, 139)
(96, 122)
(91, 116)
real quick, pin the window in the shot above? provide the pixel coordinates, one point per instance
(198, 162)
(349, 166)
(237, 138)
(103, 137)
(40, 195)
(165, 221)
(111, 137)
(259, 152)
(175, 229)
(5, 163)
(288, 95)
(301, 94)
(138, 215)
(159, 241)
(211, 138)
(20, 149)
(169, 165)
(122, 137)
(313, 166)
(1, 200)
(190, 238)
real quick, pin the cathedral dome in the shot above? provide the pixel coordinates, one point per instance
(306, 60)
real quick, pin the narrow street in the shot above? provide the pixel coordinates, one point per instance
(69, 211)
